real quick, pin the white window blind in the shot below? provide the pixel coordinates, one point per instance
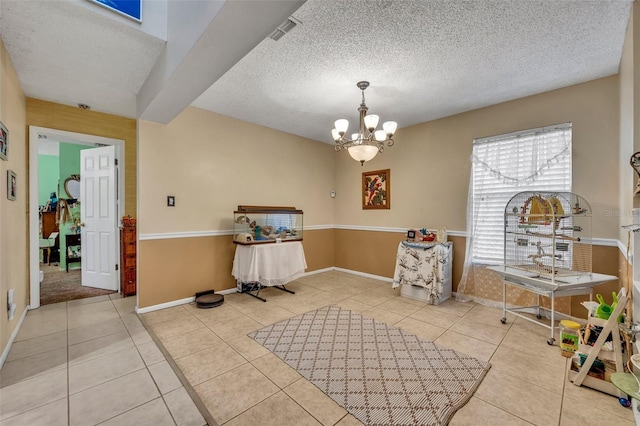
(530, 160)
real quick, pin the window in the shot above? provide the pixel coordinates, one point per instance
(530, 160)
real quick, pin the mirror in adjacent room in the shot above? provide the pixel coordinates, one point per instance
(72, 187)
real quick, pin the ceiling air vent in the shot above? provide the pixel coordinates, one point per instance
(284, 28)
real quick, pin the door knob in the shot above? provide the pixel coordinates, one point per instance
(82, 224)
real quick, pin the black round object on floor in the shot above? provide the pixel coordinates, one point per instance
(209, 300)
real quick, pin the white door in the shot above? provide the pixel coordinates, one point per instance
(98, 217)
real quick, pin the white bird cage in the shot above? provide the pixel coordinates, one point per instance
(548, 234)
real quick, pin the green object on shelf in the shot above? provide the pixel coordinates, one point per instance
(626, 383)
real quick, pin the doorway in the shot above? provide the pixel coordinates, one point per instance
(38, 136)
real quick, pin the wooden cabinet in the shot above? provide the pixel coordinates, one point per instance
(49, 225)
(128, 251)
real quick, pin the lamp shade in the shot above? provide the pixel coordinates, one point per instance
(371, 122)
(341, 126)
(380, 135)
(335, 135)
(363, 153)
(390, 127)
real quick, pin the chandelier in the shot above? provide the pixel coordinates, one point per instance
(368, 142)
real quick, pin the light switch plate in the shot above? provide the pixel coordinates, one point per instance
(171, 200)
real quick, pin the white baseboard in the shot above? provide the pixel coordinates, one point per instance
(165, 305)
(319, 271)
(5, 353)
(364, 274)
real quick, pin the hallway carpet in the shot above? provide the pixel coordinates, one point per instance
(61, 286)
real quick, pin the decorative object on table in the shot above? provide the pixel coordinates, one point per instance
(4, 142)
(635, 163)
(426, 385)
(376, 190)
(266, 224)
(12, 185)
(367, 142)
(128, 221)
(411, 235)
(208, 299)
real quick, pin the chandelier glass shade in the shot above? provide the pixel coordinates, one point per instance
(368, 142)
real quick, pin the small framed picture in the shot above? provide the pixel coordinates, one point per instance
(12, 185)
(4, 142)
(411, 235)
(376, 190)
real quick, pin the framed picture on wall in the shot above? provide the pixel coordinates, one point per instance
(4, 142)
(376, 190)
(12, 185)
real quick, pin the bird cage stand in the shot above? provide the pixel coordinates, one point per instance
(547, 251)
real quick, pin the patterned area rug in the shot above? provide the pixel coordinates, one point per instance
(378, 373)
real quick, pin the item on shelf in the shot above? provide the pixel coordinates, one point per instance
(128, 221)
(266, 224)
(569, 337)
(603, 311)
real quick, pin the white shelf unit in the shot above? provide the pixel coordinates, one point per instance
(609, 327)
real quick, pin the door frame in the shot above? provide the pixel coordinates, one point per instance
(35, 133)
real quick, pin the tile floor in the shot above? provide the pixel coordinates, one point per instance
(235, 381)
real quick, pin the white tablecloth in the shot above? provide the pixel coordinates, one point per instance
(269, 264)
(422, 265)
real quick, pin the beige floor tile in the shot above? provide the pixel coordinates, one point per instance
(150, 353)
(270, 314)
(349, 420)
(82, 319)
(276, 370)
(191, 342)
(353, 305)
(371, 298)
(131, 320)
(167, 329)
(139, 335)
(89, 332)
(33, 393)
(208, 363)
(37, 345)
(434, 317)
(231, 329)
(101, 346)
(524, 400)
(173, 313)
(454, 307)
(220, 313)
(531, 367)
(154, 412)
(467, 345)
(535, 335)
(234, 392)
(88, 301)
(382, 315)
(48, 308)
(481, 331)
(247, 347)
(576, 412)
(183, 409)
(85, 375)
(52, 414)
(276, 410)
(79, 308)
(485, 314)
(125, 305)
(112, 398)
(42, 324)
(479, 413)
(316, 402)
(165, 377)
(421, 329)
(606, 404)
(400, 306)
(33, 366)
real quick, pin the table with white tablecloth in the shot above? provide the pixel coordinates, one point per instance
(256, 266)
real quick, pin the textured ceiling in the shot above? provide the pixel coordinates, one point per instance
(424, 59)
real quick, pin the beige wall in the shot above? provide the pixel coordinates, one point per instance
(211, 164)
(627, 177)
(71, 119)
(14, 271)
(430, 164)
